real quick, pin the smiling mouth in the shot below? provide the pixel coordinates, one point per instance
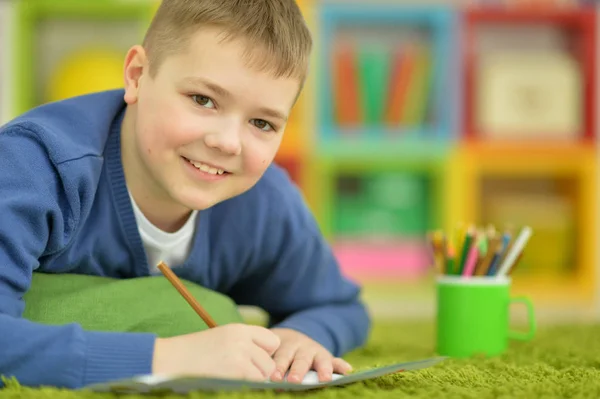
(207, 168)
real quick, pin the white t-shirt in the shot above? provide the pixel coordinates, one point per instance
(171, 248)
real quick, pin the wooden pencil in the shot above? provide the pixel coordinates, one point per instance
(493, 248)
(450, 259)
(176, 282)
(430, 245)
(517, 261)
(438, 240)
(465, 248)
(444, 251)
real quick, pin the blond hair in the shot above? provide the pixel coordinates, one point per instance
(275, 27)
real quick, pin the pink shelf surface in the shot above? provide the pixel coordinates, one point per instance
(376, 260)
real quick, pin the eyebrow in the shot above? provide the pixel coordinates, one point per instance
(227, 94)
(212, 86)
(273, 113)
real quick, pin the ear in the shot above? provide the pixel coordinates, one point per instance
(136, 63)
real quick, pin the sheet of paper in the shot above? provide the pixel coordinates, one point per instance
(310, 378)
(183, 385)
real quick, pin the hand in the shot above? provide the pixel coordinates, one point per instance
(299, 354)
(231, 351)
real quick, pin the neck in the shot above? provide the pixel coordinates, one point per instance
(168, 220)
(156, 205)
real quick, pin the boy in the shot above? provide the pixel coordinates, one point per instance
(176, 167)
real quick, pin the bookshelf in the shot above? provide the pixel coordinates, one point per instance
(384, 132)
(413, 117)
(527, 153)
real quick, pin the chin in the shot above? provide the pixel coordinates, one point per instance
(199, 205)
(200, 200)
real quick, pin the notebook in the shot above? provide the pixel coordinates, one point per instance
(182, 385)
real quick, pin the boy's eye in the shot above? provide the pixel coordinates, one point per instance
(203, 101)
(262, 124)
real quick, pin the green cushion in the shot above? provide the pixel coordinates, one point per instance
(145, 304)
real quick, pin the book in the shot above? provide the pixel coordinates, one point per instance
(183, 385)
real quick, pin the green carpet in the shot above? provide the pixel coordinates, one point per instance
(562, 362)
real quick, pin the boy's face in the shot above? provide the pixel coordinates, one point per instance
(206, 126)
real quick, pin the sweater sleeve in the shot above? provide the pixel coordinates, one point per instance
(38, 211)
(297, 280)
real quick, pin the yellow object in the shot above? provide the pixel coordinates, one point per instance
(86, 71)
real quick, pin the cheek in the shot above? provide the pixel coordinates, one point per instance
(163, 128)
(259, 156)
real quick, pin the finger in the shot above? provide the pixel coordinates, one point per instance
(340, 366)
(283, 359)
(252, 373)
(262, 361)
(303, 360)
(265, 338)
(323, 365)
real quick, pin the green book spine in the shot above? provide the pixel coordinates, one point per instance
(374, 66)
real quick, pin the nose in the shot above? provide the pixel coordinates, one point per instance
(226, 139)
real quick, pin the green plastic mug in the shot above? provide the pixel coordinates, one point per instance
(473, 316)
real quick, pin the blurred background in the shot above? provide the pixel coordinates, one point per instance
(418, 116)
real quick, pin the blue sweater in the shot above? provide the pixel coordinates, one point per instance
(65, 208)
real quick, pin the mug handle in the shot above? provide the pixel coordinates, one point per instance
(524, 336)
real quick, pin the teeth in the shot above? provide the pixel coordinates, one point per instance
(207, 169)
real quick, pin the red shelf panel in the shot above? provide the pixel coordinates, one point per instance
(580, 21)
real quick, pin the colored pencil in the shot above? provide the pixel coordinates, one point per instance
(477, 251)
(435, 243)
(465, 248)
(174, 280)
(444, 249)
(493, 249)
(430, 248)
(483, 249)
(472, 256)
(515, 249)
(512, 269)
(450, 259)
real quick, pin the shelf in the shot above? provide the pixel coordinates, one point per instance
(529, 73)
(70, 47)
(556, 291)
(575, 17)
(551, 189)
(368, 261)
(384, 134)
(514, 158)
(387, 150)
(385, 69)
(405, 194)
